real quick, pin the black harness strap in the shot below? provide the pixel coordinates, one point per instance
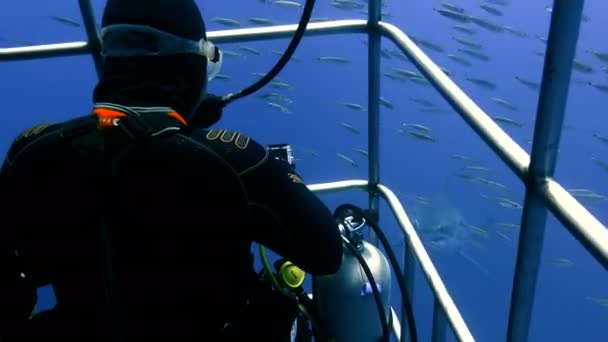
(132, 130)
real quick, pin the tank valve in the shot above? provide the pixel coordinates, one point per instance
(352, 228)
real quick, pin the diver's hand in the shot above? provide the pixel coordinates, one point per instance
(209, 112)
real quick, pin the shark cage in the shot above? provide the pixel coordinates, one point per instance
(536, 171)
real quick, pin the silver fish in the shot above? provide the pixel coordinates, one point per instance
(464, 29)
(482, 83)
(350, 128)
(226, 21)
(530, 84)
(492, 10)
(347, 159)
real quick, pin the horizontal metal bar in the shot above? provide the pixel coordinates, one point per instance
(508, 150)
(590, 232)
(460, 328)
(218, 37)
(355, 184)
(44, 51)
(286, 31)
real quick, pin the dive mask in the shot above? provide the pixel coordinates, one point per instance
(125, 40)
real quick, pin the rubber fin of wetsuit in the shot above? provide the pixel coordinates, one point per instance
(209, 113)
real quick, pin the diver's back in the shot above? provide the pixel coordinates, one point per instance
(178, 233)
(173, 215)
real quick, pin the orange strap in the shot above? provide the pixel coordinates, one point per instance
(107, 117)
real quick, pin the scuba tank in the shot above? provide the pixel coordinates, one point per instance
(345, 300)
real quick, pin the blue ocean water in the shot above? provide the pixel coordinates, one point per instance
(570, 280)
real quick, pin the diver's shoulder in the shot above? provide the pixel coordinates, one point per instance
(237, 148)
(237, 139)
(33, 133)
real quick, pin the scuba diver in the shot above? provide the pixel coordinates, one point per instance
(142, 218)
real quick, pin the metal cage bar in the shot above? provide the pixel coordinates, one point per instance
(542, 190)
(561, 48)
(92, 34)
(373, 104)
(582, 224)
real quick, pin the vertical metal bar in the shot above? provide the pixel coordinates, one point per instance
(561, 49)
(439, 323)
(408, 273)
(373, 106)
(93, 35)
(527, 266)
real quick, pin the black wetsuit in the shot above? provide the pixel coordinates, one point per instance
(180, 241)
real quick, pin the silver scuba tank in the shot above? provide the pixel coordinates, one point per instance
(345, 300)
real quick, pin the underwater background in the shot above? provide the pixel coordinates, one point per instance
(463, 200)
